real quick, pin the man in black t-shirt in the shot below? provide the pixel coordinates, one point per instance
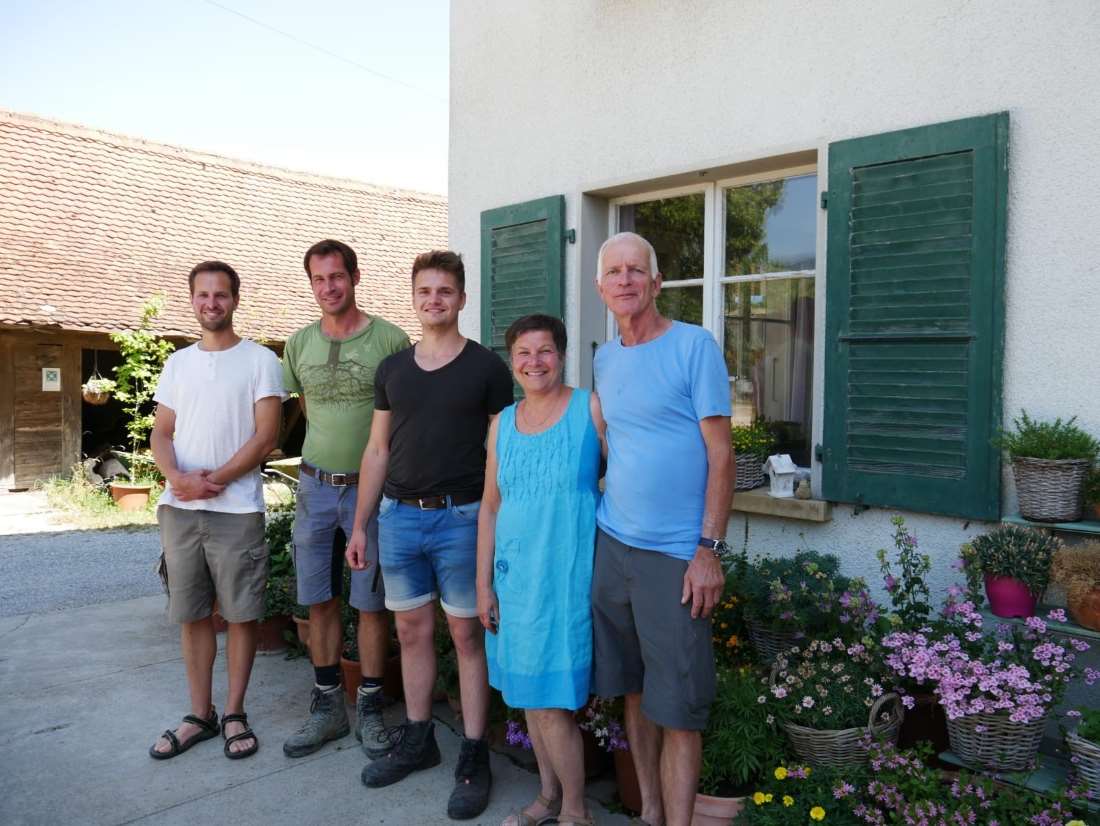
(426, 454)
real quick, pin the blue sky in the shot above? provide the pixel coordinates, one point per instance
(192, 73)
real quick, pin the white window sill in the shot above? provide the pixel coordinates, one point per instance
(760, 502)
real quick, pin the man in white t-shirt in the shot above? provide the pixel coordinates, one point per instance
(218, 415)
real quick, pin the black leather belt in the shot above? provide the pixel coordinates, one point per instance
(435, 503)
(337, 480)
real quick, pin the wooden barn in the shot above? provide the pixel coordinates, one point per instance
(93, 224)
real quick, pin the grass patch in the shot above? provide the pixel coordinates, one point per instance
(90, 506)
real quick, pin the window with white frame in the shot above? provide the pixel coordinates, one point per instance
(739, 258)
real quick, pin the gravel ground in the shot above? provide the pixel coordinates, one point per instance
(67, 569)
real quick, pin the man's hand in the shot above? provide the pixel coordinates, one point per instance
(703, 583)
(187, 487)
(356, 553)
(488, 609)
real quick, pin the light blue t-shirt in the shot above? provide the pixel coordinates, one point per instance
(653, 396)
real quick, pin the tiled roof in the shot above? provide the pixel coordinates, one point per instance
(92, 223)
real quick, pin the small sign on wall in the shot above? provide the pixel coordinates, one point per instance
(51, 379)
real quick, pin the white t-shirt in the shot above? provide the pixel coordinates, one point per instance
(213, 393)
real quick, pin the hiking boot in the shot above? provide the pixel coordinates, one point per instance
(370, 730)
(414, 749)
(328, 720)
(473, 779)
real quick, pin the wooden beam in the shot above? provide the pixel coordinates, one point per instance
(72, 424)
(7, 413)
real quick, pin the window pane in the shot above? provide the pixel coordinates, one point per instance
(771, 227)
(681, 303)
(769, 344)
(674, 226)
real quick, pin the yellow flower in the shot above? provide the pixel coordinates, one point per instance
(806, 769)
(758, 798)
(788, 800)
(817, 813)
(768, 798)
(1076, 823)
(781, 773)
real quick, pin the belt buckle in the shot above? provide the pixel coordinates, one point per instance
(343, 477)
(421, 502)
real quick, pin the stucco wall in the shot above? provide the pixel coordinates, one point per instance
(569, 97)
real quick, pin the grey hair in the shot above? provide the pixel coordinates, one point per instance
(627, 236)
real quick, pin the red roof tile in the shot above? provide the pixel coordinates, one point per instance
(93, 223)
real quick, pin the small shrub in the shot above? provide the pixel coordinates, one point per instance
(1048, 440)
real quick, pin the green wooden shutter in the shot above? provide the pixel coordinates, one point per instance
(914, 318)
(522, 255)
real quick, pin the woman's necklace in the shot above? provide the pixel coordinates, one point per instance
(550, 412)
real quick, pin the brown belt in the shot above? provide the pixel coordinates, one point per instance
(337, 480)
(435, 503)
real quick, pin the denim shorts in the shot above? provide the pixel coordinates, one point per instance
(319, 559)
(427, 554)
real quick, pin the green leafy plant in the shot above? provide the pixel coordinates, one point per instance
(143, 356)
(728, 627)
(1088, 725)
(803, 593)
(280, 597)
(1048, 440)
(1009, 551)
(754, 439)
(797, 794)
(906, 585)
(739, 743)
(1091, 489)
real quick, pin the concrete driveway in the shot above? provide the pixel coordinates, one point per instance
(84, 692)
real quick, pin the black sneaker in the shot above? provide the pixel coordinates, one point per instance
(472, 781)
(414, 749)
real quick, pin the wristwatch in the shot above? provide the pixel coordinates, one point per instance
(717, 546)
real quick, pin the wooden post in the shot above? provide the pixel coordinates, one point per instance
(7, 412)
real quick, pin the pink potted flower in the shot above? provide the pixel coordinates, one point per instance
(1013, 564)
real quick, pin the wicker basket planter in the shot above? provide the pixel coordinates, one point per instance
(1049, 490)
(95, 397)
(1086, 755)
(750, 471)
(769, 643)
(1001, 745)
(842, 747)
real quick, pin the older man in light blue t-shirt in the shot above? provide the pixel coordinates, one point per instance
(662, 522)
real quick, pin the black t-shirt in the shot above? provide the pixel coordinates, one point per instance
(439, 420)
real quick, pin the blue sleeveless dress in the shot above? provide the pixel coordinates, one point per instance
(541, 656)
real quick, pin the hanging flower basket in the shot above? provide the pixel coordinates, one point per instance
(770, 643)
(993, 742)
(1086, 756)
(842, 747)
(97, 390)
(1049, 490)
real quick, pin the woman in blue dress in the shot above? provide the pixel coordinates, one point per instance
(536, 536)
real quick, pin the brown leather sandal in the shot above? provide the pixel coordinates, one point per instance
(521, 818)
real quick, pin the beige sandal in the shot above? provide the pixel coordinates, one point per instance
(587, 820)
(521, 818)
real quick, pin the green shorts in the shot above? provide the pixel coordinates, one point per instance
(211, 554)
(644, 640)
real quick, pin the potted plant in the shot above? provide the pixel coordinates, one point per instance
(143, 356)
(784, 597)
(795, 793)
(997, 688)
(1077, 569)
(752, 444)
(602, 717)
(739, 746)
(1084, 746)
(1090, 493)
(1049, 462)
(97, 390)
(1013, 565)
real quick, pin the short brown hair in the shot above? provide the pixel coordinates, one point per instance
(216, 266)
(328, 247)
(441, 260)
(532, 323)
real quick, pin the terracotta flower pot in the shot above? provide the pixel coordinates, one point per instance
(1009, 597)
(270, 633)
(716, 811)
(130, 497)
(626, 777)
(1085, 611)
(392, 684)
(352, 676)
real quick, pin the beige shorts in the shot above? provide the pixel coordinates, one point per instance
(208, 554)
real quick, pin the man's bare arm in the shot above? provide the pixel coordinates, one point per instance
(704, 578)
(186, 487)
(268, 413)
(372, 474)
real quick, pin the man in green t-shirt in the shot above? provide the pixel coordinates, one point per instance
(331, 364)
